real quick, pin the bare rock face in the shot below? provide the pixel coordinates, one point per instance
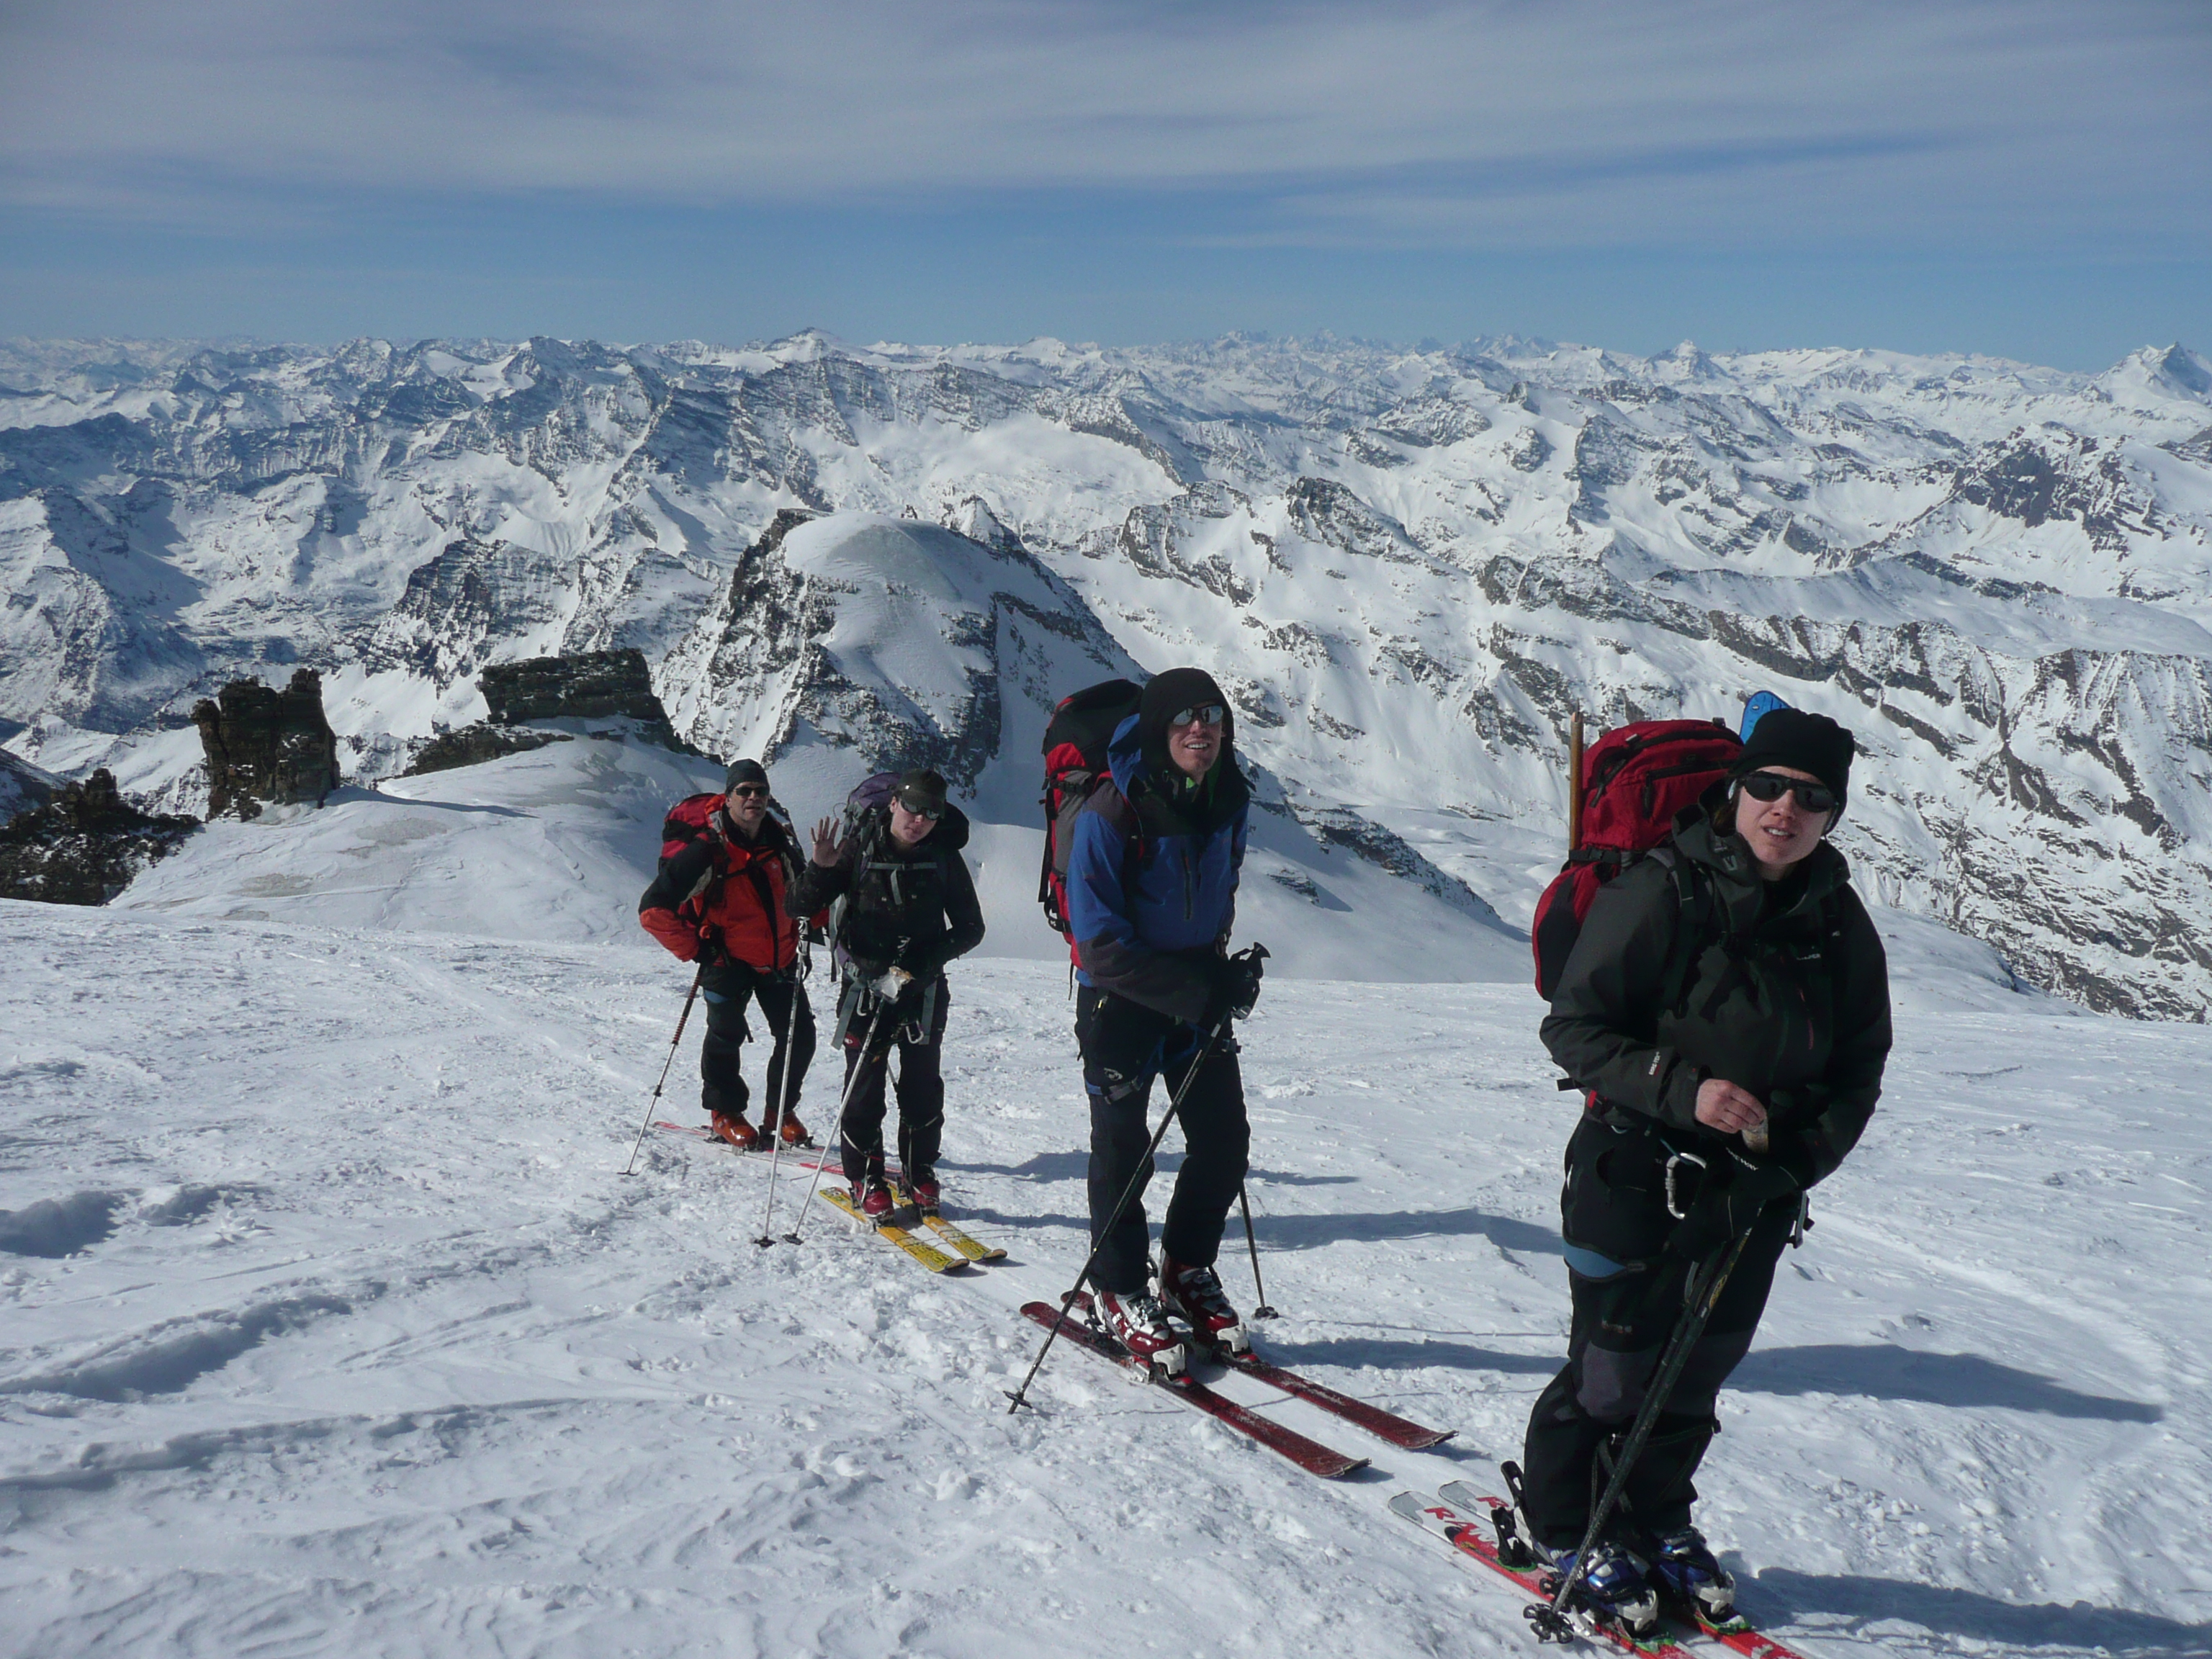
(265, 746)
(84, 846)
(582, 685)
(472, 745)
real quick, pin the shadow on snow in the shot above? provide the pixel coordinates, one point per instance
(1887, 1372)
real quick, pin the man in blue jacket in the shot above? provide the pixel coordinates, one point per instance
(1152, 891)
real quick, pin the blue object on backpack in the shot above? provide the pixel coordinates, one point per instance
(1760, 704)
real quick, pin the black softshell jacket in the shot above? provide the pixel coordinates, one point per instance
(1772, 1001)
(923, 896)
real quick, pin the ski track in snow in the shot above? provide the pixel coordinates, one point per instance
(332, 1327)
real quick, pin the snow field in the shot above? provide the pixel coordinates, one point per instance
(332, 1328)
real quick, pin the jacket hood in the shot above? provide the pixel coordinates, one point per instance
(1130, 760)
(1735, 873)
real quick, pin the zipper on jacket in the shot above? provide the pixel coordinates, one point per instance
(1190, 886)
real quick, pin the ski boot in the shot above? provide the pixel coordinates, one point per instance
(793, 1132)
(1140, 1324)
(873, 1198)
(1614, 1587)
(736, 1131)
(1683, 1569)
(1195, 1293)
(921, 1187)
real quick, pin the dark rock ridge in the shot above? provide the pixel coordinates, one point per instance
(265, 746)
(84, 846)
(472, 745)
(582, 685)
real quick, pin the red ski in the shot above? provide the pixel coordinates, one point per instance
(1384, 1425)
(1473, 1537)
(1737, 1634)
(1308, 1455)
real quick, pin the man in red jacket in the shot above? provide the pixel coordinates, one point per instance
(722, 900)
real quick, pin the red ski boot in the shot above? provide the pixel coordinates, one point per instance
(1195, 1293)
(735, 1130)
(873, 1197)
(1140, 1324)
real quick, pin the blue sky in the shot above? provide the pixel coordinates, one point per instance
(2026, 180)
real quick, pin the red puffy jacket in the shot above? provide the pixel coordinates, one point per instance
(727, 891)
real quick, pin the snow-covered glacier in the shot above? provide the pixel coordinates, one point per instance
(1409, 567)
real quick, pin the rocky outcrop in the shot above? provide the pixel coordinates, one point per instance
(84, 846)
(472, 745)
(266, 747)
(585, 685)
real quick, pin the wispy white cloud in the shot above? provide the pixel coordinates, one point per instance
(1511, 122)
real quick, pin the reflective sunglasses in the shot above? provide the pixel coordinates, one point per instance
(920, 812)
(1771, 785)
(748, 790)
(1208, 713)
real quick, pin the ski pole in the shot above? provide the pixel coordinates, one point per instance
(650, 1105)
(1551, 1619)
(1128, 1196)
(1263, 1311)
(782, 1105)
(868, 1043)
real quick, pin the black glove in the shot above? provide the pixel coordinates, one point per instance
(712, 951)
(1731, 1194)
(1235, 985)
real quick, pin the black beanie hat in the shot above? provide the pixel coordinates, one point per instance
(1804, 742)
(744, 771)
(1171, 693)
(921, 791)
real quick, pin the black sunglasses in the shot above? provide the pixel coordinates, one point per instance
(1210, 714)
(1771, 785)
(747, 791)
(920, 812)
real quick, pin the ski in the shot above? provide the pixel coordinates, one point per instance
(1738, 1633)
(1473, 1537)
(1308, 1455)
(919, 1249)
(974, 1249)
(1384, 1425)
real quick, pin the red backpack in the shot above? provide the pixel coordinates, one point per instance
(1636, 780)
(1083, 723)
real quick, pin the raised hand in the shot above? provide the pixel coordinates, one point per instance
(828, 846)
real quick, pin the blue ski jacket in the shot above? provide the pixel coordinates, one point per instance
(1151, 885)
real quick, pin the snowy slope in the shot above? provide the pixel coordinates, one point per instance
(1410, 567)
(555, 845)
(331, 1329)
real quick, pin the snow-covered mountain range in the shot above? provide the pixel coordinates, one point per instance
(1409, 567)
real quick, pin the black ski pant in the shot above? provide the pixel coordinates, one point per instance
(1628, 1297)
(919, 1039)
(726, 989)
(1125, 1046)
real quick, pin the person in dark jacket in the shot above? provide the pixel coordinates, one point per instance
(1726, 1011)
(1151, 894)
(909, 907)
(722, 900)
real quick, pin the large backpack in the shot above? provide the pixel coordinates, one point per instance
(1083, 723)
(1636, 780)
(861, 817)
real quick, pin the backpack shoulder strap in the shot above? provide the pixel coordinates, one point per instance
(1693, 901)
